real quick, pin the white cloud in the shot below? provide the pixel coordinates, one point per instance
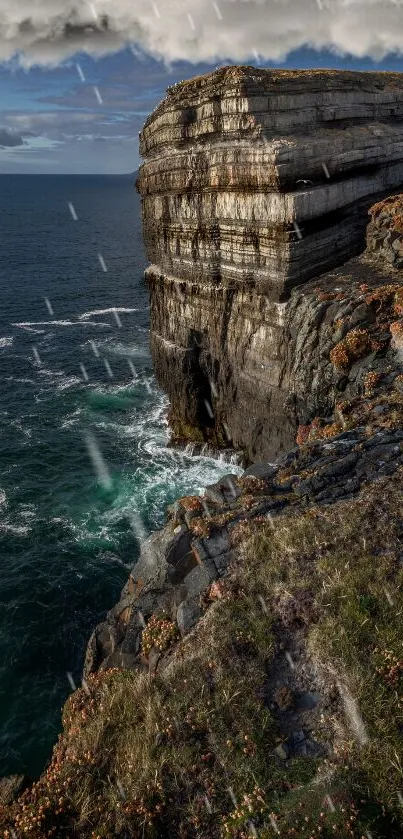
(49, 31)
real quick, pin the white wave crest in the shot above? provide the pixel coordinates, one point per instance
(72, 419)
(118, 309)
(70, 381)
(29, 329)
(29, 324)
(21, 530)
(6, 342)
(20, 381)
(131, 351)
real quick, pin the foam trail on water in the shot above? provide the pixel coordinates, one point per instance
(109, 311)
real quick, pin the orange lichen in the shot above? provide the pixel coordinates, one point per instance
(191, 503)
(370, 381)
(382, 294)
(396, 327)
(355, 345)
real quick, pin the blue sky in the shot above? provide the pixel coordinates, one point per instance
(71, 105)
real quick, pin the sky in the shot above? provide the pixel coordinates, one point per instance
(78, 79)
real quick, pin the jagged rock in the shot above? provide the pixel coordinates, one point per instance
(263, 470)
(217, 544)
(226, 489)
(222, 561)
(127, 661)
(179, 571)
(340, 467)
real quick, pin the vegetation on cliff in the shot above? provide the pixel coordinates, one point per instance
(198, 749)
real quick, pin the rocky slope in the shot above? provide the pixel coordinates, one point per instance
(250, 680)
(255, 181)
(335, 456)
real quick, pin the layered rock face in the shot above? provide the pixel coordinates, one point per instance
(254, 182)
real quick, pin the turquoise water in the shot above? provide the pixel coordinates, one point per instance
(70, 524)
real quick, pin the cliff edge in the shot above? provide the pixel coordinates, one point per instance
(254, 182)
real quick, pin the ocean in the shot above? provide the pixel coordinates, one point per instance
(85, 465)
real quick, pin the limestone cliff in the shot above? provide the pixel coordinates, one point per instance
(254, 182)
(250, 679)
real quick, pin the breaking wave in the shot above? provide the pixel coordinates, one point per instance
(112, 310)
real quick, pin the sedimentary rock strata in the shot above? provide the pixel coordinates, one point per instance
(254, 182)
(263, 176)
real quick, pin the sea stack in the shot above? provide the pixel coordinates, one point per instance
(253, 183)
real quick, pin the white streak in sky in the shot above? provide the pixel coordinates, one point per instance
(80, 72)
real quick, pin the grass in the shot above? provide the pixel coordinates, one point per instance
(190, 751)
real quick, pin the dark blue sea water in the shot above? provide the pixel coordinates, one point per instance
(75, 376)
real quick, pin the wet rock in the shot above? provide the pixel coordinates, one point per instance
(265, 471)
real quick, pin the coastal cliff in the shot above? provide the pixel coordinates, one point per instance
(250, 679)
(254, 182)
(249, 682)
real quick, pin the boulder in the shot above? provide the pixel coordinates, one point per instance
(189, 612)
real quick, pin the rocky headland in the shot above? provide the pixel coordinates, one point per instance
(254, 182)
(250, 680)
